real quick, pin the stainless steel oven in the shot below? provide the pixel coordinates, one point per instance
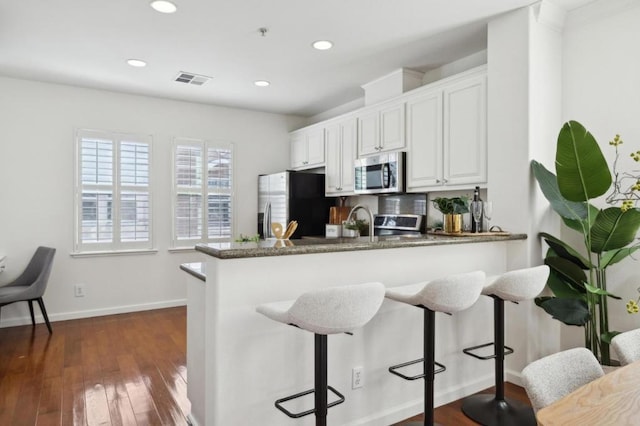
(406, 225)
(380, 174)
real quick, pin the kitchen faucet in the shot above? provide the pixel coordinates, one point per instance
(366, 209)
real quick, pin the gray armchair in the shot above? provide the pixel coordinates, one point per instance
(31, 284)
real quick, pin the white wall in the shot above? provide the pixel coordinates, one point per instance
(456, 67)
(36, 193)
(601, 89)
(524, 98)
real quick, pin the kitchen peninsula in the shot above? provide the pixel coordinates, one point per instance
(239, 363)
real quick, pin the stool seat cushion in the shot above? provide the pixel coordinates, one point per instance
(449, 294)
(329, 310)
(517, 285)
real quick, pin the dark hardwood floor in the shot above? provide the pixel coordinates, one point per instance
(127, 369)
(115, 370)
(451, 414)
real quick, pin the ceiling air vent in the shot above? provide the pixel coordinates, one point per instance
(191, 78)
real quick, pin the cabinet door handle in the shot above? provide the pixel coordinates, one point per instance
(438, 181)
(444, 181)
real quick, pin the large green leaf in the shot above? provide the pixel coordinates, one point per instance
(540, 300)
(569, 311)
(600, 292)
(568, 271)
(561, 288)
(614, 256)
(564, 250)
(614, 229)
(583, 172)
(582, 225)
(607, 337)
(574, 211)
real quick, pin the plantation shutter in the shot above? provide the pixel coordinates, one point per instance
(113, 194)
(135, 207)
(97, 190)
(203, 192)
(220, 173)
(188, 210)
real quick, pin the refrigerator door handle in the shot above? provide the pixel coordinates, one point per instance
(266, 223)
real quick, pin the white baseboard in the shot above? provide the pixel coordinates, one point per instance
(513, 377)
(414, 407)
(64, 316)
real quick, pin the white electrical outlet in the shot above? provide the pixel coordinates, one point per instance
(357, 377)
(79, 290)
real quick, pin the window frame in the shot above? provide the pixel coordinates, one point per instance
(204, 192)
(118, 189)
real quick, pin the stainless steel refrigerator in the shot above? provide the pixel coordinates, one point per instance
(287, 196)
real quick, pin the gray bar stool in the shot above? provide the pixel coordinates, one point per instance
(450, 294)
(487, 409)
(322, 312)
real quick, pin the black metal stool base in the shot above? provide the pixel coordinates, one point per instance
(279, 402)
(394, 369)
(417, 423)
(469, 351)
(489, 411)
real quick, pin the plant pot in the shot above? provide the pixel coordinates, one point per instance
(453, 223)
(349, 233)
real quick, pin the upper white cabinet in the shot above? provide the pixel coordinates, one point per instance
(446, 135)
(307, 148)
(381, 128)
(465, 132)
(442, 126)
(424, 140)
(341, 139)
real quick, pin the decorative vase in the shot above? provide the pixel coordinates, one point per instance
(453, 223)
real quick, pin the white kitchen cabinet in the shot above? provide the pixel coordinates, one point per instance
(424, 140)
(341, 139)
(307, 148)
(446, 135)
(381, 128)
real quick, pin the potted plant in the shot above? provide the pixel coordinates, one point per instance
(578, 282)
(358, 227)
(452, 209)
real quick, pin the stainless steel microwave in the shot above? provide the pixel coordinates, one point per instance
(380, 174)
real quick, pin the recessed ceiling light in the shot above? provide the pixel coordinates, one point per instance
(163, 6)
(261, 83)
(136, 63)
(322, 45)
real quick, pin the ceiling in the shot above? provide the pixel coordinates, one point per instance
(86, 43)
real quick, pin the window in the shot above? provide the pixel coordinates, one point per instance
(203, 192)
(113, 192)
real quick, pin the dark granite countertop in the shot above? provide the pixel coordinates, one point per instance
(274, 247)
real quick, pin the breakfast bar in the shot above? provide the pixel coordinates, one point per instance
(239, 363)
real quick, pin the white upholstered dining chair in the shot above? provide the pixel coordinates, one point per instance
(552, 377)
(627, 346)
